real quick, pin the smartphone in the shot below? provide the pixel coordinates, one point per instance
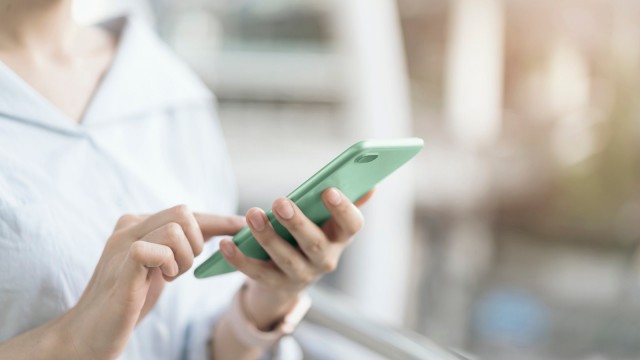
(354, 172)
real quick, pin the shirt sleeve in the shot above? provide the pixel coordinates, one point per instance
(199, 337)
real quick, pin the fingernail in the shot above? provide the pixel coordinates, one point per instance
(285, 209)
(227, 248)
(256, 220)
(334, 197)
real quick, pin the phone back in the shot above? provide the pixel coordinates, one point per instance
(356, 171)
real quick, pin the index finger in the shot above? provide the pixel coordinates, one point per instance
(180, 215)
(213, 225)
(210, 225)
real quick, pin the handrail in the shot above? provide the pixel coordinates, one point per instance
(332, 311)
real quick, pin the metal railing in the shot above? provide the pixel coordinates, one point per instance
(333, 312)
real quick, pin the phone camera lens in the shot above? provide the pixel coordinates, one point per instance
(366, 158)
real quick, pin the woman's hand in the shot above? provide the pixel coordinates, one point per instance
(275, 284)
(142, 254)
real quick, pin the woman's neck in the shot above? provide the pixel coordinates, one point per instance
(41, 27)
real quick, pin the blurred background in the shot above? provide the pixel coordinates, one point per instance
(515, 233)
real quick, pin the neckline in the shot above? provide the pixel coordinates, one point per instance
(145, 76)
(115, 26)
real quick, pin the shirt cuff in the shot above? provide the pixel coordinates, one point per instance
(199, 332)
(249, 335)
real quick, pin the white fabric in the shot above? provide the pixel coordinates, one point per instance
(149, 140)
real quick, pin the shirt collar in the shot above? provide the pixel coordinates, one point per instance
(144, 76)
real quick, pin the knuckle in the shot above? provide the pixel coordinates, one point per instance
(307, 278)
(126, 219)
(328, 265)
(117, 236)
(181, 211)
(287, 263)
(137, 250)
(315, 247)
(173, 231)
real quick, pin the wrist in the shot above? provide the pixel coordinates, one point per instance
(65, 336)
(249, 335)
(56, 341)
(44, 342)
(265, 306)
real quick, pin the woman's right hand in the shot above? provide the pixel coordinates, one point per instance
(142, 254)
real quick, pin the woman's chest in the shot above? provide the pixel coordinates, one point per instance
(61, 196)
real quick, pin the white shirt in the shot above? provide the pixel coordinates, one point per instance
(149, 140)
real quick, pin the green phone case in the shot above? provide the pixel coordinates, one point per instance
(356, 171)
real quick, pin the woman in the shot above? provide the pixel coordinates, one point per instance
(97, 122)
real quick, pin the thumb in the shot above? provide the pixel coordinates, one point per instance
(213, 225)
(143, 256)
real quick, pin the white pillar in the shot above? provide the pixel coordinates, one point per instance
(473, 109)
(375, 268)
(474, 70)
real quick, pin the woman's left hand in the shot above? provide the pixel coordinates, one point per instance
(275, 284)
